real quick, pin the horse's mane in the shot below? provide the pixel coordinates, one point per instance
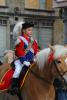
(42, 56)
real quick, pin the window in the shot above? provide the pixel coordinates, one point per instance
(0, 21)
(2, 3)
(32, 4)
(35, 4)
(42, 4)
(3, 21)
(46, 23)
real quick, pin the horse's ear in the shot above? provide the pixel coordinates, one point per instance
(51, 47)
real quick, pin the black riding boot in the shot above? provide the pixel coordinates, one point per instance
(14, 89)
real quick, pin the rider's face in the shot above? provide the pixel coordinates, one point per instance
(28, 31)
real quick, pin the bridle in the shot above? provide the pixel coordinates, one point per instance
(55, 63)
(39, 77)
(45, 80)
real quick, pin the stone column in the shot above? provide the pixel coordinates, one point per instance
(65, 25)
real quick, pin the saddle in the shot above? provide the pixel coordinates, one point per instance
(6, 79)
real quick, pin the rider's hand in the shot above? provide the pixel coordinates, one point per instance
(26, 63)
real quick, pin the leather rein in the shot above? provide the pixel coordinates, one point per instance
(45, 80)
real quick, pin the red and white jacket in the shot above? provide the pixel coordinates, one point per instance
(22, 43)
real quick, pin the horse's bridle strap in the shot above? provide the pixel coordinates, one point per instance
(59, 71)
(39, 77)
(64, 73)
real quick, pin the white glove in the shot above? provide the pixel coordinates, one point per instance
(27, 63)
(35, 60)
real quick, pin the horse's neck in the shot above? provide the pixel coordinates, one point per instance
(44, 75)
(36, 88)
(46, 72)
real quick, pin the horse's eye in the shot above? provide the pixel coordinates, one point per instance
(58, 61)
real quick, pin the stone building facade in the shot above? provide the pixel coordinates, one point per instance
(39, 12)
(62, 6)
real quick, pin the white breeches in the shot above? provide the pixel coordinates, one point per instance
(18, 68)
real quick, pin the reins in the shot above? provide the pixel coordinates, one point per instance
(39, 77)
(42, 78)
(30, 70)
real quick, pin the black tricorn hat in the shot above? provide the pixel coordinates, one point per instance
(27, 25)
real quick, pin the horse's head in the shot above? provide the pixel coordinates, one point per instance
(53, 61)
(59, 61)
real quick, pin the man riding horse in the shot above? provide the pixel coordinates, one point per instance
(26, 49)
